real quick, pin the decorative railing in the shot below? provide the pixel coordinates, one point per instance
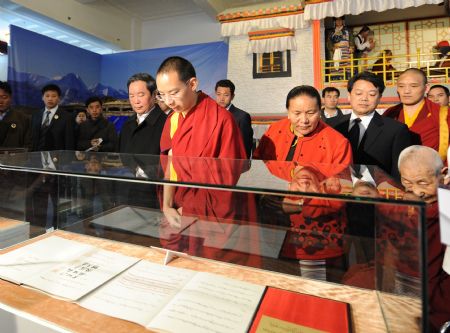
(388, 66)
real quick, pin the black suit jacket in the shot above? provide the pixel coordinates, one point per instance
(244, 122)
(58, 136)
(381, 144)
(15, 130)
(100, 128)
(145, 138)
(334, 119)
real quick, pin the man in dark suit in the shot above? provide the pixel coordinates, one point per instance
(375, 140)
(330, 110)
(141, 133)
(52, 127)
(15, 126)
(97, 133)
(224, 96)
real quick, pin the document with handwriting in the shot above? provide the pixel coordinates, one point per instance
(62, 267)
(177, 300)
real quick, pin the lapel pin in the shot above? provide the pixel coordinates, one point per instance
(56, 116)
(13, 125)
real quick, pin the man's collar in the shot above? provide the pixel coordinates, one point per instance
(52, 110)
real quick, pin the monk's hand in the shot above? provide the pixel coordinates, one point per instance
(173, 217)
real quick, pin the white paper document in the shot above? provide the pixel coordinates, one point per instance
(177, 300)
(61, 267)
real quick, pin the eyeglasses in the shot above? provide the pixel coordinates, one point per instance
(171, 97)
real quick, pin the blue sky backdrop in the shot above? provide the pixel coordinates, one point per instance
(35, 60)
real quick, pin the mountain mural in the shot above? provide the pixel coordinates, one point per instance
(27, 89)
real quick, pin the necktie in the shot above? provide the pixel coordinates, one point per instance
(46, 122)
(353, 135)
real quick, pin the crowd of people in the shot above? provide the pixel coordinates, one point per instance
(409, 142)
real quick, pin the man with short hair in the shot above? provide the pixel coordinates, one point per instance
(439, 94)
(164, 108)
(330, 98)
(224, 95)
(97, 133)
(198, 127)
(375, 140)
(141, 133)
(421, 170)
(427, 121)
(15, 126)
(52, 127)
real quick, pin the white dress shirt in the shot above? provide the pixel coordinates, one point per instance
(365, 121)
(50, 116)
(141, 117)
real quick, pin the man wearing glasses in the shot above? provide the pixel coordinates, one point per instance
(198, 127)
(141, 133)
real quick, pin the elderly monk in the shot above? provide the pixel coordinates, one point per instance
(421, 172)
(198, 126)
(303, 137)
(428, 122)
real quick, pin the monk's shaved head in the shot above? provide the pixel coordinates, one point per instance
(421, 172)
(415, 71)
(422, 156)
(181, 66)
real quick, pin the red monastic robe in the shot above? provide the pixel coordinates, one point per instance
(208, 130)
(431, 125)
(220, 232)
(398, 246)
(323, 145)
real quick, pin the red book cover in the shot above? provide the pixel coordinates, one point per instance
(286, 311)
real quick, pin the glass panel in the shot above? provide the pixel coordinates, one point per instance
(400, 258)
(273, 177)
(14, 226)
(346, 225)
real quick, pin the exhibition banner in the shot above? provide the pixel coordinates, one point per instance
(36, 60)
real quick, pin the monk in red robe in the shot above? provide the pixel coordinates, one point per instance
(198, 126)
(303, 137)
(202, 138)
(428, 122)
(398, 238)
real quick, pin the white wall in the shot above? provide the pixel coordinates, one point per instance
(179, 30)
(97, 18)
(3, 67)
(268, 95)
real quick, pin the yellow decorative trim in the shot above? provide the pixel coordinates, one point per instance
(443, 132)
(314, 2)
(174, 124)
(260, 13)
(410, 119)
(272, 33)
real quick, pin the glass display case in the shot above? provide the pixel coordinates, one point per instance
(328, 226)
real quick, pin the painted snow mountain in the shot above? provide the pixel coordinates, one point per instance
(27, 89)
